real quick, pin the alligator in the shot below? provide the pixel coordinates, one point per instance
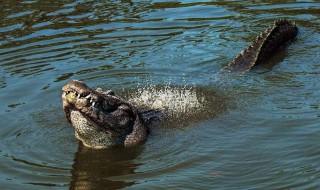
(102, 119)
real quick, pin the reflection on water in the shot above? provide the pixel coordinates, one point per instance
(93, 168)
(255, 130)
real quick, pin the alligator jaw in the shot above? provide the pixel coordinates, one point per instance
(264, 45)
(101, 119)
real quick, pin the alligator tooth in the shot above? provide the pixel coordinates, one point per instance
(109, 92)
(87, 97)
(93, 104)
(91, 100)
(78, 95)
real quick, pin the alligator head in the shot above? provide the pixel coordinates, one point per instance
(101, 119)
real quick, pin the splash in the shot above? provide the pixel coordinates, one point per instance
(169, 99)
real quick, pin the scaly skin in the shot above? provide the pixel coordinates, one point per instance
(264, 45)
(101, 119)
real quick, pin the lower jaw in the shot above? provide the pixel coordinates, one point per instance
(92, 144)
(89, 133)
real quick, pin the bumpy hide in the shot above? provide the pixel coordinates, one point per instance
(264, 45)
(101, 119)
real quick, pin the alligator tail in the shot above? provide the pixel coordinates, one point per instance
(264, 45)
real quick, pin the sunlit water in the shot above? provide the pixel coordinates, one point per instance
(255, 130)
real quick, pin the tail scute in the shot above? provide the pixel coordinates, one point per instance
(264, 45)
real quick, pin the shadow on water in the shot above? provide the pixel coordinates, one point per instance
(93, 168)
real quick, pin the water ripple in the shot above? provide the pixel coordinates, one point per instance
(256, 131)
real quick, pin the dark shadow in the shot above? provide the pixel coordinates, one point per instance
(278, 57)
(93, 168)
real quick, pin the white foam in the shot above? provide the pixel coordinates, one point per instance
(172, 100)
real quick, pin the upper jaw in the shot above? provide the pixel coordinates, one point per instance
(93, 104)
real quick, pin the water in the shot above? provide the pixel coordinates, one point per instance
(260, 130)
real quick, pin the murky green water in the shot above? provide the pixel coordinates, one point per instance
(260, 131)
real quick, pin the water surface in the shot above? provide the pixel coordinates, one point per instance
(260, 130)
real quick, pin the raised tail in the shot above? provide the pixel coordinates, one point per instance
(264, 45)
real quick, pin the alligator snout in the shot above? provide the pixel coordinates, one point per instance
(100, 118)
